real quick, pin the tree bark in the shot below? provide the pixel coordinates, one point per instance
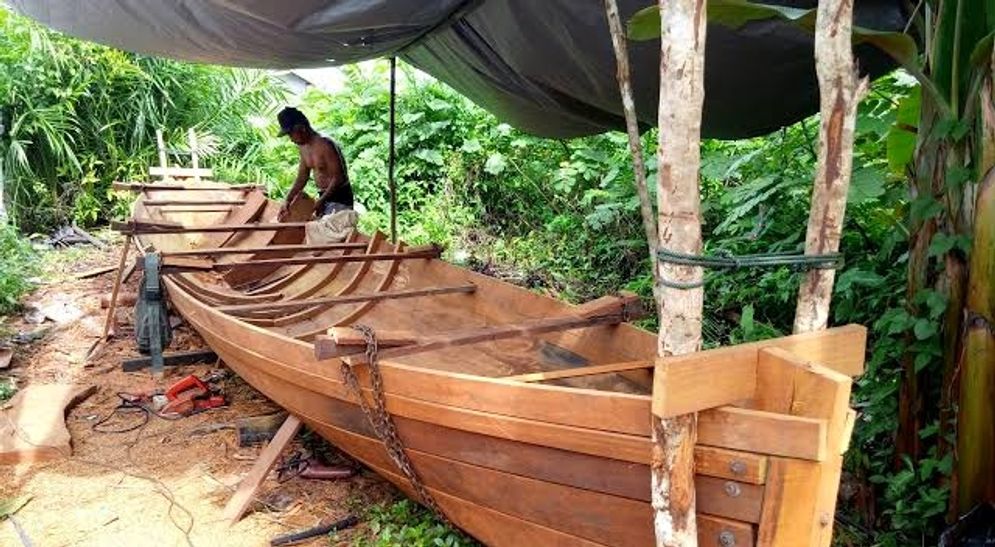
(632, 130)
(840, 90)
(682, 67)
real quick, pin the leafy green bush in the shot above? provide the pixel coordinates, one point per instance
(407, 523)
(18, 263)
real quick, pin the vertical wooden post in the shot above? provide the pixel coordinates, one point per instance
(840, 90)
(112, 307)
(391, 159)
(161, 143)
(682, 69)
(632, 130)
(194, 155)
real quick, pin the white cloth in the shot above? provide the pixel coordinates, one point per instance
(333, 228)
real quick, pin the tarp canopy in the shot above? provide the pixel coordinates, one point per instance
(545, 66)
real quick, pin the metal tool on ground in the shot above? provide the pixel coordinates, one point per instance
(191, 395)
(290, 539)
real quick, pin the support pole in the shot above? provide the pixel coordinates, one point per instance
(632, 129)
(840, 91)
(161, 144)
(112, 308)
(194, 154)
(391, 159)
(682, 93)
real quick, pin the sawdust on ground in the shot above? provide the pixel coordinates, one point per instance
(162, 484)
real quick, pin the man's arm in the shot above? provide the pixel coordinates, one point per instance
(303, 173)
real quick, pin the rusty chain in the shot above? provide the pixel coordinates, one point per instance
(381, 421)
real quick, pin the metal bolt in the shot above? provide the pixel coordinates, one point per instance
(737, 467)
(825, 519)
(732, 489)
(727, 539)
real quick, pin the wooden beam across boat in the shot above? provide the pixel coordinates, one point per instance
(412, 253)
(139, 227)
(578, 372)
(218, 251)
(165, 202)
(351, 298)
(168, 187)
(603, 311)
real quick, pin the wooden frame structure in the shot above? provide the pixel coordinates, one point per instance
(526, 418)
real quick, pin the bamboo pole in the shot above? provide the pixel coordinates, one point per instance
(840, 91)
(624, 77)
(682, 69)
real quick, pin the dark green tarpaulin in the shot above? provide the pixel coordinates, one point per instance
(545, 66)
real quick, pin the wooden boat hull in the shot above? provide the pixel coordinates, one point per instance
(508, 461)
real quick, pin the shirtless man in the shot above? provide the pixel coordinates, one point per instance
(321, 155)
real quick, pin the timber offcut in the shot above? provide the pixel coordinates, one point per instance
(526, 419)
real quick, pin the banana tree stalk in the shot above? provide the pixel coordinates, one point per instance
(682, 93)
(840, 91)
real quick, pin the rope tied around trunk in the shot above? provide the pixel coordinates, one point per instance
(382, 422)
(797, 262)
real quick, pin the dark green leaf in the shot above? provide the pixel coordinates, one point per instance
(924, 329)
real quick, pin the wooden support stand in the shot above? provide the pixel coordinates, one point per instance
(246, 491)
(170, 360)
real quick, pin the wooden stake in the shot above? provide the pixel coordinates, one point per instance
(161, 143)
(112, 307)
(682, 68)
(246, 491)
(632, 129)
(840, 92)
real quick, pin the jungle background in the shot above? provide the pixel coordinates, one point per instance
(557, 216)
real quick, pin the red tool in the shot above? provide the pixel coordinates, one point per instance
(191, 395)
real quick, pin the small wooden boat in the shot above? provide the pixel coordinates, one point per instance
(526, 419)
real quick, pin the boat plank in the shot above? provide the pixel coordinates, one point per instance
(712, 529)
(578, 372)
(348, 299)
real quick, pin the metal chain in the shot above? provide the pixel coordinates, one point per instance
(381, 421)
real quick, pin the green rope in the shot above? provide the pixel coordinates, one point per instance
(798, 262)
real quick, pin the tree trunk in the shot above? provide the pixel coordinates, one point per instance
(840, 91)
(632, 130)
(976, 405)
(682, 67)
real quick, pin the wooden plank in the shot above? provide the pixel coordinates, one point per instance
(719, 532)
(334, 259)
(243, 496)
(729, 499)
(763, 432)
(684, 384)
(94, 272)
(180, 172)
(190, 202)
(178, 263)
(171, 187)
(218, 251)
(789, 504)
(744, 467)
(159, 227)
(171, 360)
(603, 311)
(579, 371)
(351, 298)
(109, 320)
(32, 423)
(841, 349)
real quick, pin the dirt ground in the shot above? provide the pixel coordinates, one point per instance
(163, 484)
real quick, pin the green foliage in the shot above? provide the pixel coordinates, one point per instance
(18, 263)
(407, 523)
(78, 116)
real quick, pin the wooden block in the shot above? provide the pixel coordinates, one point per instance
(696, 381)
(32, 423)
(95, 272)
(171, 360)
(716, 531)
(246, 491)
(730, 464)
(789, 506)
(729, 499)
(763, 432)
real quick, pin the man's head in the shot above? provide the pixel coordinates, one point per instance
(294, 124)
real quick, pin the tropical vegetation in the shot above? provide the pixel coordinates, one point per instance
(561, 216)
